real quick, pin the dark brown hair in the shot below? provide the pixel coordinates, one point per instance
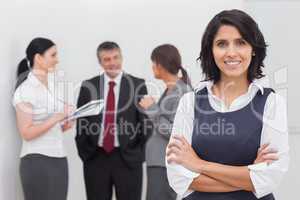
(36, 46)
(169, 58)
(250, 32)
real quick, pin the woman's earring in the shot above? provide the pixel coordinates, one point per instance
(179, 74)
(253, 54)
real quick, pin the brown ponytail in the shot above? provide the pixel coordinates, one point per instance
(185, 77)
(168, 57)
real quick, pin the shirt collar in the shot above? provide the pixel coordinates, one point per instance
(256, 84)
(33, 79)
(117, 79)
(177, 86)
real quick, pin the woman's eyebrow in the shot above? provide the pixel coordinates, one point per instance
(220, 40)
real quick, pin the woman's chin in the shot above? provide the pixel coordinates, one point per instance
(234, 73)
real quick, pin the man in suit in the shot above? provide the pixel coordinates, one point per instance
(112, 144)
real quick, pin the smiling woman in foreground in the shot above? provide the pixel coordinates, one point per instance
(230, 137)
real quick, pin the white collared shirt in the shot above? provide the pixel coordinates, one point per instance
(265, 178)
(117, 80)
(44, 105)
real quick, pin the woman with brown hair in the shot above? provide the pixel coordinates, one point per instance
(166, 65)
(230, 137)
(43, 166)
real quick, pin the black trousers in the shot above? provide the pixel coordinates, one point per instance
(108, 170)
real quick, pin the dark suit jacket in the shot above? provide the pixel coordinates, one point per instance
(134, 128)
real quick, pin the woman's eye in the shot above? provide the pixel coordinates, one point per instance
(241, 42)
(221, 44)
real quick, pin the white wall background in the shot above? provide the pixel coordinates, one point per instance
(78, 26)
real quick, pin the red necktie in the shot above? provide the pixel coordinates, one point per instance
(109, 120)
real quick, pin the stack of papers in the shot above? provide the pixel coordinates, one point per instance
(93, 107)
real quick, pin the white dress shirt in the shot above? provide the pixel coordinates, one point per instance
(117, 80)
(265, 178)
(44, 105)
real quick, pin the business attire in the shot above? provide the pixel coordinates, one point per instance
(162, 115)
(43, 166)
(112, 144)
(232, 136)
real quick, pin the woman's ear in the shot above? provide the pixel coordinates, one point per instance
(158, 66)
(37, 59)
(161, 69)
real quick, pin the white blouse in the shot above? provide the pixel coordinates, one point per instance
(44, 105)
(265, 178)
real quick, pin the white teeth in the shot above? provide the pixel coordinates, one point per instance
(232, 62)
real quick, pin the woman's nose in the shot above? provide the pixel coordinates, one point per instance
(231, 51)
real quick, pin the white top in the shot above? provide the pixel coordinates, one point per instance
(117, 80)
(265, 178)
(44, 105)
